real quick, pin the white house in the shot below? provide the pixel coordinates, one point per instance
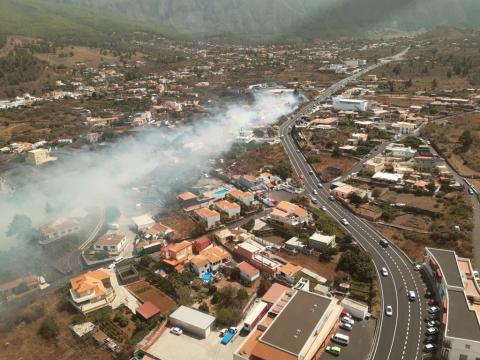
(319, 241)
(211, 217)
(244, 197)
(231, 209)
(209, 260)
(112, 243)
(401, 151)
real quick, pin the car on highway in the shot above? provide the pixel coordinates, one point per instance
(431, 331)
(310, 172)
(411, 295)
(433, 309)
(383, 243)
(315, 192)
(331, 198)
(384, 271)
(346, 326)
(429, 347)
(324, 208)
(176, 330)
(344, 222)
(417, 267)
(334, 350)
(388, 310)
(470, 191)
(320, 185)
(347, 320)
(312, 199)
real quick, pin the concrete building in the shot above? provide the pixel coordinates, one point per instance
(39, 156)
(192, 321)
(319, 241)
(404, 128)
(300, 329)
(345, 104)
(143, 222)
(401, 151)
(459, 295)
(374, 165)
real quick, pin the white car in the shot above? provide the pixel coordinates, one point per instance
(384, 271)
(344, 222)
(417, 267)
(223, 332)
(346, 326)
(388, 310)
(315, 192)
(347, 320)
(176, 330)
(433, 309)
(324, 208)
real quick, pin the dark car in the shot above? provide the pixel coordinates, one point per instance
(383, 243)
(430, 339)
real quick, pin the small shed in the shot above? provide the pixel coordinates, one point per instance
(143, 222)
(147, 310)
(192, 321)
(357, 309)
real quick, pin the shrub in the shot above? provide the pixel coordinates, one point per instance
(48, 329)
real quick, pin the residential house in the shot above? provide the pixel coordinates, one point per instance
(257, 255)
(92, 290)
(176, 255)
(401, 151)
(187, 198)
(112, 243)
(159, 231)
(289, 214)
(388, 177)
(344, 191)
(244, 197)
(287, 273)
(58, 229)
(318, 241)
(18, 286)
(209, 260)
(231, 209)
(404, 128)
(248, 272)
(248, 181)
(374, 165)
(210, 217)
(143, 222)
(39, 156)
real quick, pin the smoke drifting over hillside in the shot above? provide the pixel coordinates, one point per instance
(162, 155)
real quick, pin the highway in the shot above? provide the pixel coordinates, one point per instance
(399, 336)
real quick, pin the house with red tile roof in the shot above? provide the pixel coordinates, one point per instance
(244, 197)
(210, 217)
(209, 260)
(229, 208)
(147, 310)
(248, 273)
(91, 290)
(176, 255)
(111, 243)
(200, 244)
(289, 215)
(159, 231)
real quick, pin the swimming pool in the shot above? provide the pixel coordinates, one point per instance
(221, 191)
(207, 277)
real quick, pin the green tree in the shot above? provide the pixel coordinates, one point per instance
(264, 285)
(336, 152)
(48, 329)
(465, 140)
(204, 308)
(242, 295)
(229, 316)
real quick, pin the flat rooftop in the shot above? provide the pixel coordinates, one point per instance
(447, 261)
(296, 322)
(462, 321)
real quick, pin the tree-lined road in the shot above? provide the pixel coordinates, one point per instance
(400, 335)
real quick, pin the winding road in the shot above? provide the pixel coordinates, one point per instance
(399, 336)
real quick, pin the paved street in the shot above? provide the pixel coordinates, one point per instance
(400, 335)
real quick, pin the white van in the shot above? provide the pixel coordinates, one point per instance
(411, 295)
(341, 339)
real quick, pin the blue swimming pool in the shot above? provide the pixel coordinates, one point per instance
(207, 277)
(220, 191)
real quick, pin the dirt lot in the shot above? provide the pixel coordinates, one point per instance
(429, 203)
(415, 250)
(146, 292)
(23, 342)
(445, 136)
(417, 222)
(325, 269)
(180, 223)
(331, 167)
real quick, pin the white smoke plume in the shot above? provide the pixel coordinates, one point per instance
(163, 155)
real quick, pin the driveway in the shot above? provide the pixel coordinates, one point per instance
(122, 295)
